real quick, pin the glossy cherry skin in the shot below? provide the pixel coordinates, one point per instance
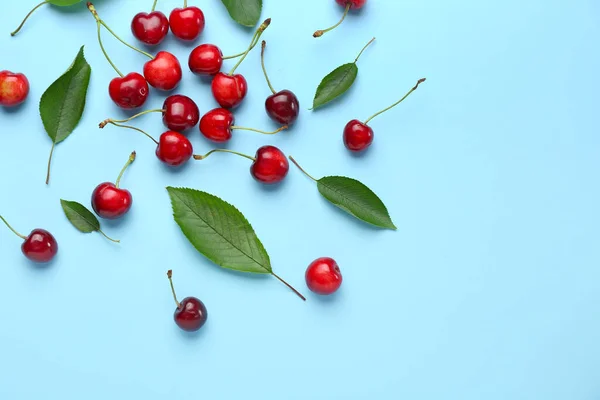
(216, 125)
(191, 314)
(229, 91)
(164, 71)
(150, 28)
(323, 276)
(206, 59)
(271, 165)
(180, 113)
(14, 88)
(187, 23)
(40, 246)
(356, 4)
(111, 202)
(130, 91)
(283, 107)
(174, 149)
(357, 136)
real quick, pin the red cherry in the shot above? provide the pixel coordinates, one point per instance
(129, 91)
(40, 246)
(174, 149)
(354, 4)
(191, 314)
(283, 107)
(323, 276)
(187, 23)
(164, 71)
(357, 136)
(216, 125)
(180, 113)
(229, 90)
(206, 59)
(110, 202)
(14, 88)
(270, 165)
(150, 28)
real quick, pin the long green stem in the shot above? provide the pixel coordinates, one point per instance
(50, 163)
(199, 157)
(398, 102)
(108, 237)
(11, 228)
(150, 56)
(104, 51)
(321, 32)
(107, 121)
(184, 3)
(170, 276)
(363, 49)
(127, 164)
(241, 128)
(262, 63)
(132, 127)
(27, 16)
(253, 42)
(302, 169)
(154, 5)
(288, 285)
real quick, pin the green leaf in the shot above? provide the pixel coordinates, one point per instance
(218, 231)
(80, 217)
(244, 12)
(64, 3)
(356, 199)
(335, 84)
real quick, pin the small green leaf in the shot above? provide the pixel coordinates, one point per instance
(80, 217)
(335, 84)
(356, 199)
(244, 12)
(64, 3)
(219, 231)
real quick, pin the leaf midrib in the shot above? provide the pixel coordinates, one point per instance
(63, 103)
(341, 80)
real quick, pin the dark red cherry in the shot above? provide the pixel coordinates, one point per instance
(150, 28)
(191, 314)
(216, 125)
(357, 136)
(270, 165)
(354, 4)
(111, 202)
(229, 90)
(40, 246)
(206, 59)
(174, 149)
(129, 91)
(180, 113)
(164, 71)
(283, 107)
(187, 23)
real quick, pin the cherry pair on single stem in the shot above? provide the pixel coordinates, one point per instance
(358, 136)
(186, 23)
(190, 314)
(14, 88)
(40, 246)
(348, 5)
(109, 200)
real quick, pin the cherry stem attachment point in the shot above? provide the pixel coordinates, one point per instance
(110, 121)
(242, 128)
(108, 237)
(199, 157)
(27, 17)
(262, 63)
(321, 32)
(107, 121)
(396, 103)
(129, 162)
(302, 169)
(170, 276)
(288, 285)
(49, 163)
(11, 228)
(154, 5)
(253, 43)
(363, 49)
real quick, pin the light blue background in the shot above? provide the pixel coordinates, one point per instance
(490, 289)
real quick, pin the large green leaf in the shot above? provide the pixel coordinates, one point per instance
(244, 12)
(219, 231)
(335, 84)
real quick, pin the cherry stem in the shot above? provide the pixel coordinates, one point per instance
(262, 63)
(109, 121)
(184, 3)
(170, 276)
(104, 51)
(288, 285)
(320, 32)
(154, 5)
(242, 128)
(27, 17)
(302, 169)
(398, 102)
(108, 237)
(363, 49)
(199, 157)
(11, 228)
(127, 164)
(253, 43)
(50, 163)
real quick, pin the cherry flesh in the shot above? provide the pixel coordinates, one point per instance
(129, 91)
(354, 4)
(40, 246)
(187, 23)
(14, 88)
(150, 28)
(216, 125)
(111, 202)
(323, 276)
(270, 165)
(283, 107)
(180, 113)
(174, 149)
(191, 314)
(357, 136)
(164, 71)
(206, 59)
(229, 90)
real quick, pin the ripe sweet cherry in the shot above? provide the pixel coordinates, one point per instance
(40, 246)
(323, 276)
(190, 315)
(150, 28)
(358, 136)
(109, 200)
(14, 88)
(348, 4)
(207, 59)
(187, 23)
(217, 124)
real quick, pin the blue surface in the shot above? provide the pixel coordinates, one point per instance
(490, 289)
